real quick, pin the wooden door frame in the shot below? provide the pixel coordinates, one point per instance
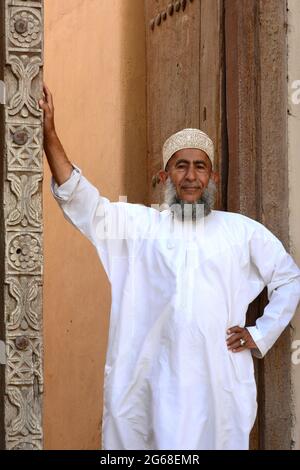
(257, 107)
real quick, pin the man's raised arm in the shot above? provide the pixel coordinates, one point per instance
(61, 168)
(76, 196)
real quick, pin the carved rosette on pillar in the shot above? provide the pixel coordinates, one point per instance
(22, 214)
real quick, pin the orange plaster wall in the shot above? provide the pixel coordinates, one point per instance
(95, 67)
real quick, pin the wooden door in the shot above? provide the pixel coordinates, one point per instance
(184, 77)
(256, 96)
(220, 65)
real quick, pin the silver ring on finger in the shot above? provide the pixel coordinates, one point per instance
(242, 342)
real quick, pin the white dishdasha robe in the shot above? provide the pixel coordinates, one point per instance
(170, 382)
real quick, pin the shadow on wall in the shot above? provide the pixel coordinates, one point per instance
(133, 86)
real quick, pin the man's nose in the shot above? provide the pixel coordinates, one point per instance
(191, 173)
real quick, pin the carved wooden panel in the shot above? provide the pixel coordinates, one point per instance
(21, 220)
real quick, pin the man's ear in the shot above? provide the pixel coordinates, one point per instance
(215, 176)
(163, 176)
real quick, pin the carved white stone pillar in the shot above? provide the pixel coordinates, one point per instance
(21, 234)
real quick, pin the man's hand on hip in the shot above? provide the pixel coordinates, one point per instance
(239, 339)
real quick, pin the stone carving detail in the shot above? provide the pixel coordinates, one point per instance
(25, 421)
(25, 28)
(23, 298)
(25, 70)
(24, 367)
(25, 210)
(22, 213)
(24, 150)
(24, 252)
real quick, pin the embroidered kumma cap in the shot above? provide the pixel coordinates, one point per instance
(188, 138)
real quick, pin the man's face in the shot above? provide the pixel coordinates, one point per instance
(190, 171)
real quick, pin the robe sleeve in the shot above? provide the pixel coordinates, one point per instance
(281, 276)
(91, 214)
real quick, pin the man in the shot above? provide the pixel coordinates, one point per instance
(179, 370)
